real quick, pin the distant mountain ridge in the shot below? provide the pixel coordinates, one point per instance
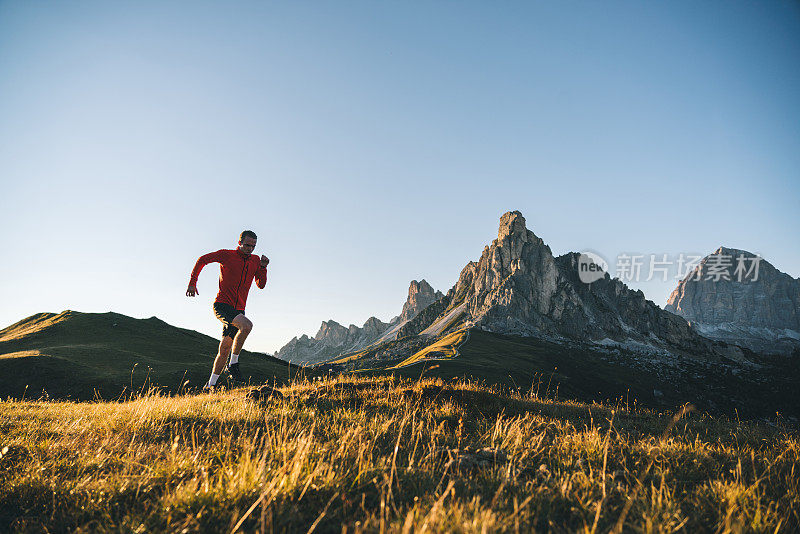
(517, 287)
(333, 339)
(727, 299)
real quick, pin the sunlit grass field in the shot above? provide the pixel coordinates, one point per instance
(384, 454)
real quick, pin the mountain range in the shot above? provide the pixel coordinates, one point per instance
(518, 312)
(518, 287)
(333, 339)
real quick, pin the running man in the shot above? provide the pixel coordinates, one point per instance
(236, 272)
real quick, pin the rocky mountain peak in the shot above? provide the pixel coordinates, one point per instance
(512, 224)
(744, 301)
(374, 327)
(419, 287)
(733, 252)
(517, 265)
(515, 245)
(331, 331)
(420, 295)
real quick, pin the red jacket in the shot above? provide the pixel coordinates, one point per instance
(236, 273)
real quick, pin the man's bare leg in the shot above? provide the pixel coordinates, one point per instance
(245, 326)
(222, 354)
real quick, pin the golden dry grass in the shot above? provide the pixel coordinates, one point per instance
(388, 455)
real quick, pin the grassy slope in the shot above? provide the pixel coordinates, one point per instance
(577, 373)
(384, 454)
(73, 354)
(530, 363)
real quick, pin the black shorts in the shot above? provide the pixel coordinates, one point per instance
(226, 313)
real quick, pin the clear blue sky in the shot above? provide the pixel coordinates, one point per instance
(372, 143)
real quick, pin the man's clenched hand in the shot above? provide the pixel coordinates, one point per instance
(264, 261)
(192, 291)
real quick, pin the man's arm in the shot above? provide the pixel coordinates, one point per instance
(202, 261)
(261, 273)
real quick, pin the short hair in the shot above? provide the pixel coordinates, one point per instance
(247, 233)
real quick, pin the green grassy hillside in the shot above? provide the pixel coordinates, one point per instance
(384, 454)
(81, 355)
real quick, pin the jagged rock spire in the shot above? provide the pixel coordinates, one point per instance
(512, 224)
(420, 296)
